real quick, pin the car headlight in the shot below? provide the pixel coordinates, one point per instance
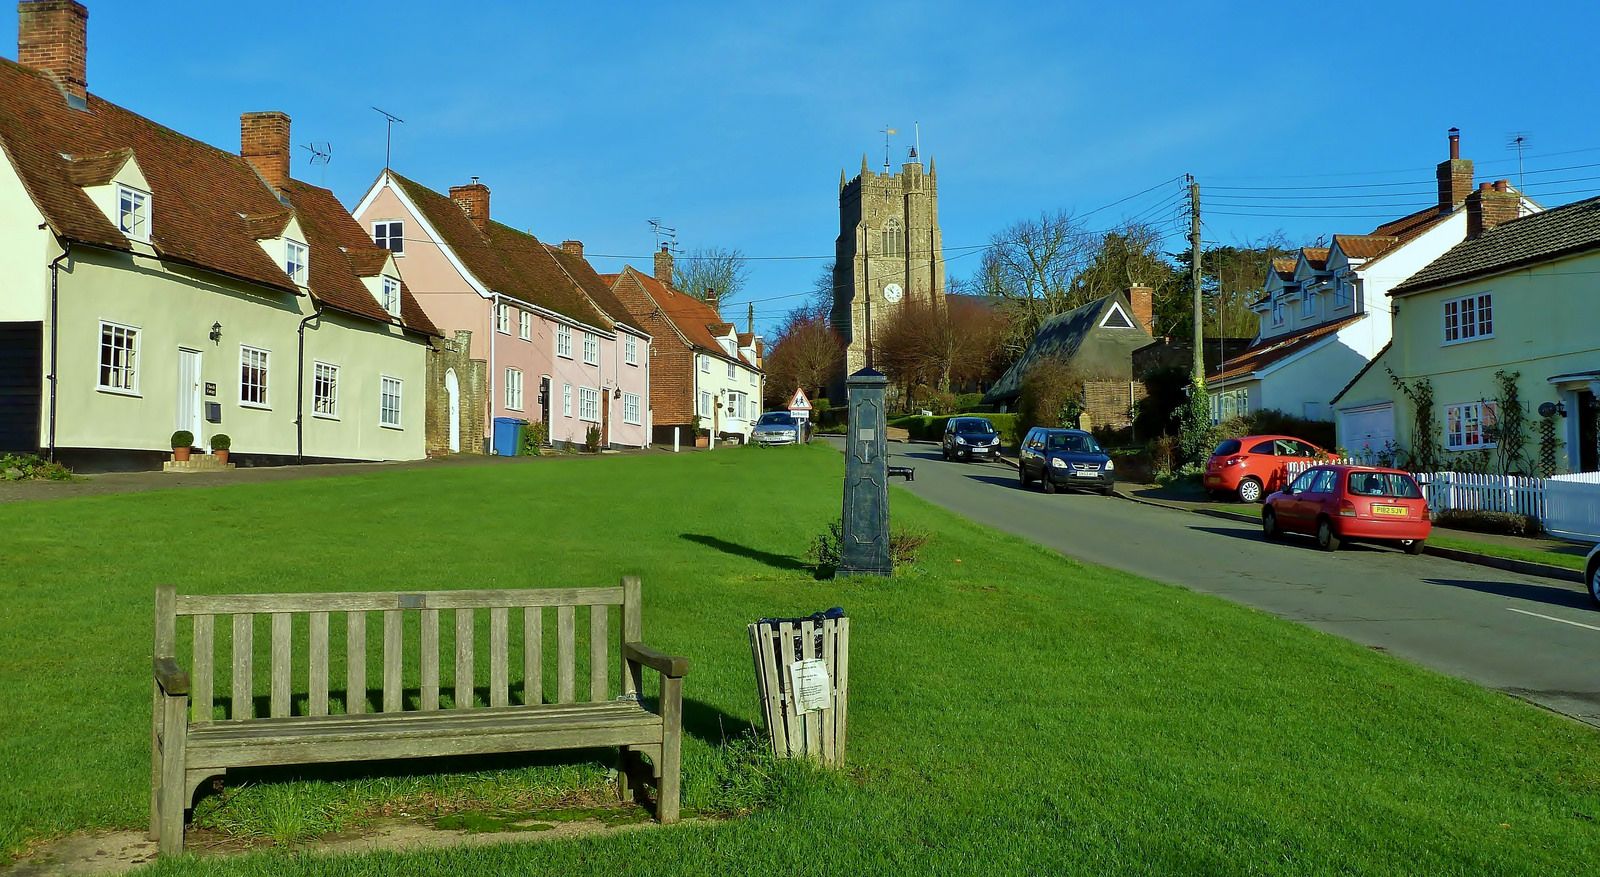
(960, 440)
(1058, 463)
(1109, 466)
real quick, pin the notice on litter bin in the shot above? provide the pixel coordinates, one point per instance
(808, 680)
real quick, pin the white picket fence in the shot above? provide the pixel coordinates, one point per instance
(1568, 506)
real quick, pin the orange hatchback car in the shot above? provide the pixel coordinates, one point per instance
(1254, 466)
(1339, 504)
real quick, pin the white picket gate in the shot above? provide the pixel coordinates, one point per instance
(1472, 492)
(1572, 507)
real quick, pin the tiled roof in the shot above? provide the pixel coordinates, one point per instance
(209, 208)
(595, 287)
(1284, 267)
(508, 261)
(1272, 350)
(1364, 246)
(1528, 240)
(1074, 337)
(343, 255)
(692, 317)
(1316, 257)
(1411, 225)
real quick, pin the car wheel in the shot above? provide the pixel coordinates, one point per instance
(1269, 525)
(1594, 582)
(1413, 546)
(1022, 476)
(1250, 489)
(1326, 539)
(1107, 491)
(1048, 485)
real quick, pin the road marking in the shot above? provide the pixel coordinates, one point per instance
(1553, 618)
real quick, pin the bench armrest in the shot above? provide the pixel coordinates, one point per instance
(670, 666)
(173, 681)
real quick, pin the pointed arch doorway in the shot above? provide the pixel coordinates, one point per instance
(452, 392)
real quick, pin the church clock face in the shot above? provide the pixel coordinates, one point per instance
(892, 293)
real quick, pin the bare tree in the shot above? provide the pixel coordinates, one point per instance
(822, 289)
(1030, 267)
(715, 268)
(935, 346)
(806, 353)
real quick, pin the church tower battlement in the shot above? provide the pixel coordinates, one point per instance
(889, 252)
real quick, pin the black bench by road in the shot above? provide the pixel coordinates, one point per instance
(191, 743)
(907, 472)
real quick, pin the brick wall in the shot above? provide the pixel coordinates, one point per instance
(264, 142)
(671, 360)
(1109, 404)
(471, 374)
(53, 36)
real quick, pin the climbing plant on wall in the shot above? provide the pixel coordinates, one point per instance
(1549, 446)
(1509, 429)
(1424, 455)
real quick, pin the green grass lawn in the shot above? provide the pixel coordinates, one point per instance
(1011, 711)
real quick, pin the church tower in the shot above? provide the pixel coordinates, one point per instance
(889, 254)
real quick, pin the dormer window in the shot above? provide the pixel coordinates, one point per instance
(391, 296)
(296, 260)
(133, 213)
(1308, 301)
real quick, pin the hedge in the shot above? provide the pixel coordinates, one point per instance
(932, 428)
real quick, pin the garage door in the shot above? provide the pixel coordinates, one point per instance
(1364, 432)
(20, 375)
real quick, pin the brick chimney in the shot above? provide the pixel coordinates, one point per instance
(473, 199)
(664, 265)
(573, 247)
(1141, 298)
(1454, 175)
(264, 142)
(53, 37)
(1491, 205)
(711, 299)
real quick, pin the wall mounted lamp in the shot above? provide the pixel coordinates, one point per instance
(216, 333)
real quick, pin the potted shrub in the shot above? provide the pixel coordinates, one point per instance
(182, 443)
(220, 445)
(702, 436)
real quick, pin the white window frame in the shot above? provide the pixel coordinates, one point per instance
(1481, 303)
(564, 341)
(588, 400)
(128, 368)
(391, 295)
(296, 261)
(630, 350)
(246, 353)
(705, 364)
(514, 389)
(139, 199)
(525, 325)
(398, 421)
(591, 349)
(389, 239)
(566, 400)
(1482, 412)
(705, 404)
(324, 374)
(1277, 311)
(730, 371)
(502, 318)
(630, 409)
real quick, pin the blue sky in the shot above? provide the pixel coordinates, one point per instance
(732, 121)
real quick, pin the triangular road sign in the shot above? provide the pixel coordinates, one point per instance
(800, 402)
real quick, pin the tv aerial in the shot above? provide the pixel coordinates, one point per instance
(320, 154)
(665, 235)
(1518, 140)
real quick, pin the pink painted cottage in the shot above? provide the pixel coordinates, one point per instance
(559, 347)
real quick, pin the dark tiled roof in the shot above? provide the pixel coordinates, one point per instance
(595, 287)
(1274, 349)
(1070, 337)
(97, 170)
(692, 317)
(1528, 240)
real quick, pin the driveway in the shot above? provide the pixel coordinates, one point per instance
(1531, 637)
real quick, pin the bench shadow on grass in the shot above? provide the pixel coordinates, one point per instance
(776, 561)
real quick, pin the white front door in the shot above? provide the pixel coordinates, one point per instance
(452, 390)
(190, 399)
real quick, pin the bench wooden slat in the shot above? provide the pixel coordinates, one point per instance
(308, 728)
(393, 653)
(499, 647)
(598, 687)
(566, 654)
(205, 653)
(355, 663)
(464, 656)
(377, 601)
(317, 664)
(632, 632)
(280, 663)
(841, 687)
(532, 655)
(429, 646)
(243, 705)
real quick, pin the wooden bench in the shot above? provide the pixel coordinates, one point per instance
(197, 733)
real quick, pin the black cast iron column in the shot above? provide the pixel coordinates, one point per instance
(865, 548)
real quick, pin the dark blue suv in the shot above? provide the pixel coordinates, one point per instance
(1064, 458)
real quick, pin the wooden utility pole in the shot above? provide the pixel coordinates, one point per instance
(750, 319)
(1194, 276)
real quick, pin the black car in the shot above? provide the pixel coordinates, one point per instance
(1064, 458)
(970, 438)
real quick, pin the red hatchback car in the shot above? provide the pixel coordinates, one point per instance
(1339, 504)
(1254, 466)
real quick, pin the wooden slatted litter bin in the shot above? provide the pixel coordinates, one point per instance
(803, 677)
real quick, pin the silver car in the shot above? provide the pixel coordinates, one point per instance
(776, 428)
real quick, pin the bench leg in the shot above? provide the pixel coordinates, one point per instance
(624, 774)
(671, 750)
(155, 762)
(174, 781)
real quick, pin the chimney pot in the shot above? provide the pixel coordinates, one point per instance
(1454, 176)
(1502, 185)
(264, 142)
(1455, 143)
(1490, 206)
(53, 38)
(664, 265)
(473, 199)
(711, 298)
(573, 247)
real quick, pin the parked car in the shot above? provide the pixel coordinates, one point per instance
(970, 438)
(1068, 458)
(1592, 574)
(776, 428)
(1253, 466)
(1342, 503)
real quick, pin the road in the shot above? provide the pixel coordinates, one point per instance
(1528, 636)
